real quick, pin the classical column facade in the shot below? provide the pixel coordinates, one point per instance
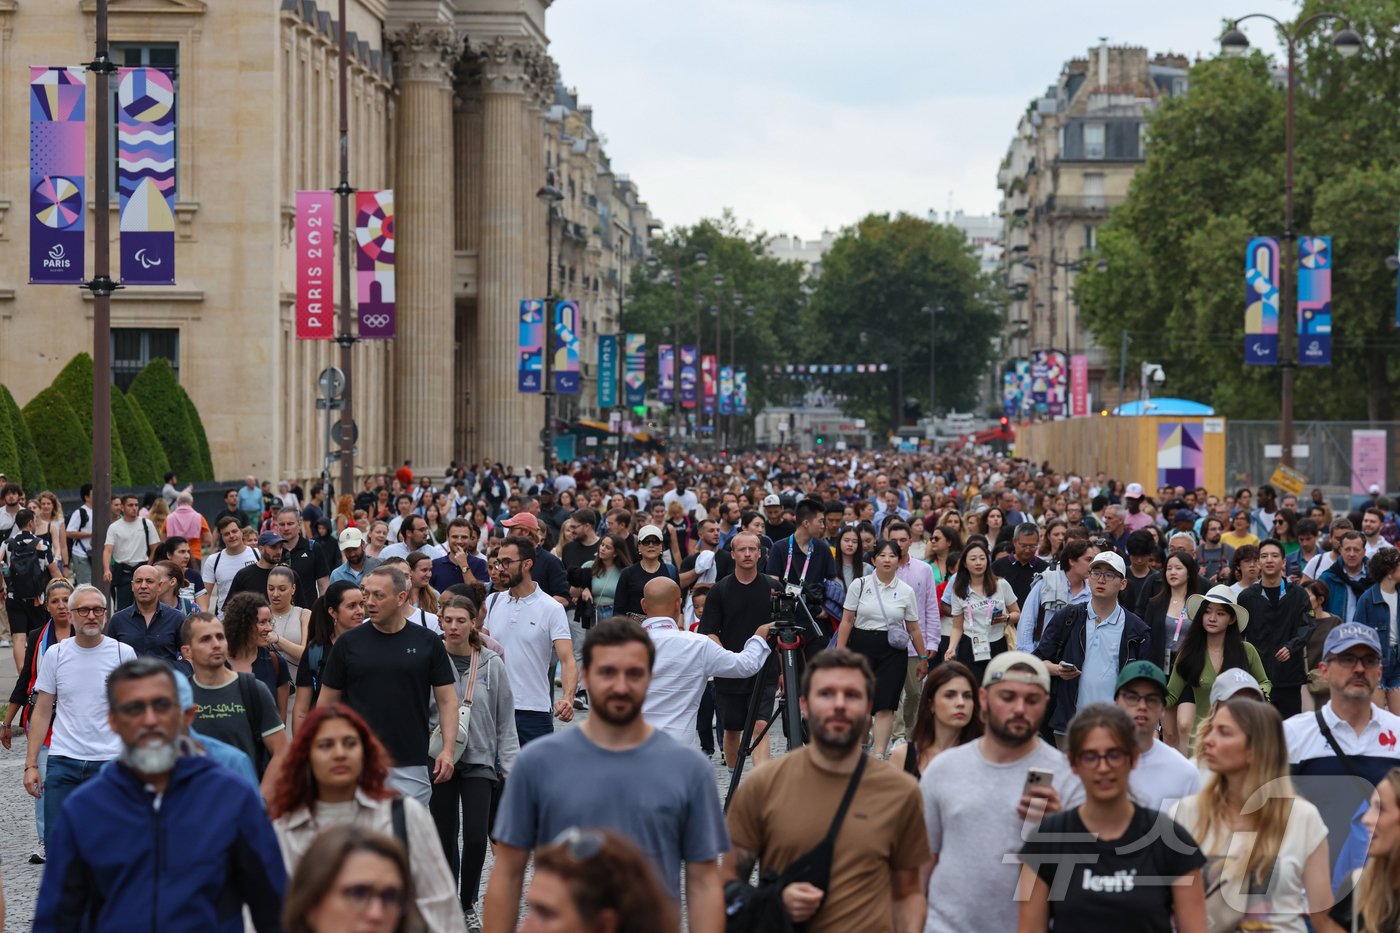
(424, 55)
(508, 422)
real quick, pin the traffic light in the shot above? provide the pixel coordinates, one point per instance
(1005, 421)
(820, 439)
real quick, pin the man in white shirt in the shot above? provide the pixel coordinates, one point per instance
(130, 543)
(1162, 774)
(223, 565)
(79, 532)
(71, 695)
(528, 624)
(413, 536)
(919, 576)
(685, 661)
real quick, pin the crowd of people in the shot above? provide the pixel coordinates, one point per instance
(1028, 700)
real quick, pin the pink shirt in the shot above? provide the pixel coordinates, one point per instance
(185, 522)
(919, 576)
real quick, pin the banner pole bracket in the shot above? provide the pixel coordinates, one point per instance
(343, 189)
(102, 64)
(101, 286)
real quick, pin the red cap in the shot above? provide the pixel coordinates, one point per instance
(522, 520)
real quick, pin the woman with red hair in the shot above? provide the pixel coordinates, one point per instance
(335, 775)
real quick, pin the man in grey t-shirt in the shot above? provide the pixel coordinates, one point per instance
(977, 806)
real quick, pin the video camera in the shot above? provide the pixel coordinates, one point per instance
(790, 609)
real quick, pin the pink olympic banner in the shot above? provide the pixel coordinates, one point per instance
(374, 263)
(1368, 456)
(146, 175)
(707, 383)
(1079, 385)
(315, 246)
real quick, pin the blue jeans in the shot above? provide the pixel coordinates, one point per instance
(62, 776)
(532, 724)
(39, 801)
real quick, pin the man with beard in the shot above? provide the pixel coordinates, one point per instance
(69, 695)
(1213, 554)
(530, 626)
(876, 872)
(979, 796)
(614, 771)
(164, 838)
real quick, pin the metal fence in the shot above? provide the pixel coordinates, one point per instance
(1328, 462)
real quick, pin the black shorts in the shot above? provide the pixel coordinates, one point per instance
(25, 617)
(733, 708)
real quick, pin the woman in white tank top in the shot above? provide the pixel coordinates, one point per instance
(288, 620)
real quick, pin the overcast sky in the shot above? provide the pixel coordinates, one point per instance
(808, 114)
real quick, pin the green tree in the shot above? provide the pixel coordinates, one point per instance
(74, 381)
(156, 390)
(206, 462)
(868, 305)
(64, 450)
(1214, 178)
(144, 455)
(9, 450)
(749, 278)
(31, 468)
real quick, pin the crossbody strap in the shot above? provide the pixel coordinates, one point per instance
(1332, 742)
(845, 802)
(881, 600)
(471, 680)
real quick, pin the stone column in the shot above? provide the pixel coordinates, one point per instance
(508, 422)
(424, 54)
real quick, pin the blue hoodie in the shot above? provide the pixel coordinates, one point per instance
(118, 863)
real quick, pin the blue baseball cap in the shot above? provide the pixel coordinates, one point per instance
(1349, 635)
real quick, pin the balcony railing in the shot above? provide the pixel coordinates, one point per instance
(1082, 204)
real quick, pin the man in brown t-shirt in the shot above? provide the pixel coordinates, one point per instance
(785, 810)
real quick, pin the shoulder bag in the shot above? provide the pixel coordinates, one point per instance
(464, 719)
(896, 635)
(759, 909)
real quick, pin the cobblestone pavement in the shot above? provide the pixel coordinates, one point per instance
(18, 838)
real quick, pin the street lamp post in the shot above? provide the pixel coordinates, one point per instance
(549, 195)
(932, 312)
(701, 259)
(1347, 43)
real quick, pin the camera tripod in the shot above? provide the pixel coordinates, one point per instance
(790, 635)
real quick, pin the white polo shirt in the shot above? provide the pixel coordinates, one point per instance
(527, 629)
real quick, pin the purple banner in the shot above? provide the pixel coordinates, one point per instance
(566, 354)
(665, 374)
(374, 263)
(726, 390)
(1261, 302)
(531, 347)
(57, 153)
(636, 377)
(690, 375)
(1315, 300)
(146, 175)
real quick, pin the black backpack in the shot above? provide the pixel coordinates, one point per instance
(29, 571)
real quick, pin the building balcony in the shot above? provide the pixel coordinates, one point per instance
(1082, 205)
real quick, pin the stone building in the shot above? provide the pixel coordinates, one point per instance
(1070, 162)
(454, 104)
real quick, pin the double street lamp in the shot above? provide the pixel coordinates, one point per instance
(699, 260)
(1347, 43)
(549, 195)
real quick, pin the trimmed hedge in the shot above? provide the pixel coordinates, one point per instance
(206, 461)
(144, 456)
(31, 467)
(9, 451)
(65, 450)
(158, 393)
(74, 381)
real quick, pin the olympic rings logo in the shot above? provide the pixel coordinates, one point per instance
(375, 320)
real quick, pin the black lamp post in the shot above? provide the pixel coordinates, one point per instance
(550, 195)
(1347, 43)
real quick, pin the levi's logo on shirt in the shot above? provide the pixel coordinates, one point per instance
(1120, 882)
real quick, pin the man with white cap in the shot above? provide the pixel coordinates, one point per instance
(979, 797)
(773, 516)
(1134, 517)
(354, 563)
(1086, 646)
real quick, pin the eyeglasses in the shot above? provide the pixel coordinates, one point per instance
(506, 562)
(1349, 662)
(90, 611)
(133, 708)
(1153, 700)
(581, 844)
(1105, 575)
(359, 896)
(1114, 757)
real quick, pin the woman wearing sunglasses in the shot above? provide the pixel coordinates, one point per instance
(1107, 844)
(591, 880)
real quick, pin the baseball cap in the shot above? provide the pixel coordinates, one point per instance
(1375, 489)
(1350, 635)
(351, 537)
(1134, 491)
(1232, 681)
(771, 499)
(1141, 670)
(522, 520)
(270, 537)
(650, 531)
(999, 670)
(1112, 559)
(1221, 595)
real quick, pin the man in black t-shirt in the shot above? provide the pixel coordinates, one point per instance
(583, 546)
(307, 561)
(253, 578)
(738, 604)
(803, 543)
(386, 671)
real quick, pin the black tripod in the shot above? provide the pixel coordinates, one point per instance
(790, 635)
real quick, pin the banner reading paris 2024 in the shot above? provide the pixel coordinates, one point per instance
(146, 175)
(57, 148)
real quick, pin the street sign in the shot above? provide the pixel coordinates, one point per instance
(330, 404)
(338, 435)
(1288, 480)
(331, 383)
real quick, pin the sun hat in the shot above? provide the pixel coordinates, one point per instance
(1221, 595)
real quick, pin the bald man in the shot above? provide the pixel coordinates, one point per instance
(685, 661)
